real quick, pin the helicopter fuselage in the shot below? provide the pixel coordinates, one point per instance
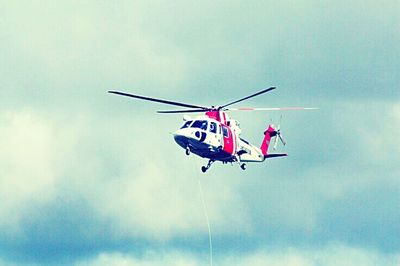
(218, 141)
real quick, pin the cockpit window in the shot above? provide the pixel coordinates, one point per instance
(187, 124)
(213, 127)
(202, 124)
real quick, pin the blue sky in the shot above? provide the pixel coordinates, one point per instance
(89, 178)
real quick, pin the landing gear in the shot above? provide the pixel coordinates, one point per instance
(205, 168)
(187, 151)
(242, 165)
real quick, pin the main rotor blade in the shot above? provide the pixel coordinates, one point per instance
(271, 109)
(158, 100)
(248, 97)
(183, 111)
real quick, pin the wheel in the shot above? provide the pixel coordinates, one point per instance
(187, 151)
(243, 166)
(204, 169)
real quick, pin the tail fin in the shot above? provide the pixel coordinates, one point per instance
(268, 134)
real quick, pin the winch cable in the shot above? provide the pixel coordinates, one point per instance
(204, 208)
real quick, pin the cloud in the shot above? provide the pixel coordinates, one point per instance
(27, 163)
(151, 194)
(332, 255)
(87, 173)
(71, 53)
(151, 259)
(56, 50)
(108, 174)
(61, 166)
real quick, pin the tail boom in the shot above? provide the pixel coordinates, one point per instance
(268, 134)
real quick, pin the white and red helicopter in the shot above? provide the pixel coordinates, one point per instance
(214, 135)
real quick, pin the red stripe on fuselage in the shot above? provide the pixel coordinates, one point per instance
(229, 145)
(228, 141)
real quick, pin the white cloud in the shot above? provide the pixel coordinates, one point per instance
(131, 180)
(142, 183)
(331, 255)
(359, 143)
(150, 259)
(154, 194)
(27, 164)
(53, 48)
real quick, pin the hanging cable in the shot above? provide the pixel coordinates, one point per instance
(208, 221)
(205, 212)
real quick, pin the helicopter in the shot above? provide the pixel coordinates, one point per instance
(217, 137)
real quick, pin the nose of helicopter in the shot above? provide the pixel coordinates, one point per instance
(182, 137)
(181, 133)
(192, 137)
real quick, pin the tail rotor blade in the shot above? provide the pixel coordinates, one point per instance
(282, 139)
(276, 142)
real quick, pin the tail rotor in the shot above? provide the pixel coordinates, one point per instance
(278, 135)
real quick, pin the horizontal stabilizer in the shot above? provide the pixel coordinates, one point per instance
(274, 155)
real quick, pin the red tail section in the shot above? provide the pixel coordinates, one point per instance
(268, 134)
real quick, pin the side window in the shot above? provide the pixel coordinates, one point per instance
(213, 127)
(225, 132)
(187, 124)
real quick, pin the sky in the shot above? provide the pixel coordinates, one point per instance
(90, 179)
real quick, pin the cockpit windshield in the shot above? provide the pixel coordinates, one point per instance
(187, 124)
(202, 124)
